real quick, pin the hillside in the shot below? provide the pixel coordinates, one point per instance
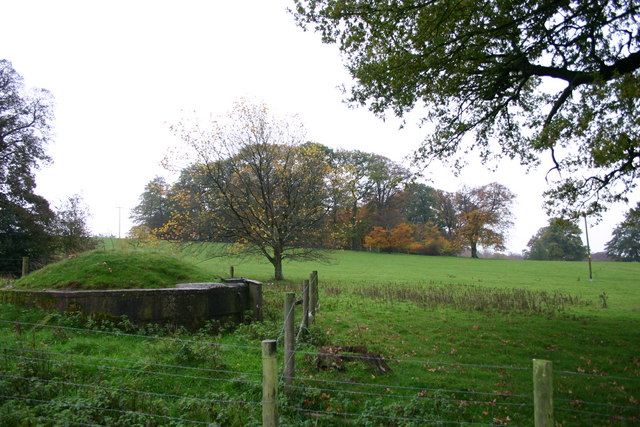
(102, 269)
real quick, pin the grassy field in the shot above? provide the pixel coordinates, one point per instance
(619, 282)
(459, 336)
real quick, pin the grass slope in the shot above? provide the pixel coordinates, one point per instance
(460, 335)
(114, 270)
(619, 282)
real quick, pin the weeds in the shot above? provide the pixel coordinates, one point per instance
(472, 298)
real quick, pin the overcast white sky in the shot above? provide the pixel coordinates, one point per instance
(122, 71)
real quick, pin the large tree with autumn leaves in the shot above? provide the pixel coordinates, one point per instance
(267, 184)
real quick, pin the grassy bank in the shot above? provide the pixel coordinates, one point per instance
(458, 335)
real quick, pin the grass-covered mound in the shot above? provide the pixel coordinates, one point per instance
(114, 270)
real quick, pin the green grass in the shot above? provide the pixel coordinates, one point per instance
(455, 328)
(620, 282)
(102, 269)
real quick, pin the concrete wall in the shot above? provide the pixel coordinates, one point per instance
(189, 304)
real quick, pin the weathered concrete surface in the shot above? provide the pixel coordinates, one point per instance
(188, 304)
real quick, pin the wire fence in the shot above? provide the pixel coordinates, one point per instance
(13, 267)
(54, 373)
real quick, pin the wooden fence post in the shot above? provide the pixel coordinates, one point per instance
(305, 304)
(289, 339)
(231, 272)
(269, 384)
(543, 392)
(25, 265)
(314, 279)
(313, 298)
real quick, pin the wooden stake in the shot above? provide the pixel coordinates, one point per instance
(289, 339)
(543, 392)
(269, 384)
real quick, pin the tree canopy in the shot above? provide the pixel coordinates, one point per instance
(518, 79)
(265, 186)
(625, 242)
(558, 241)
(25, 122)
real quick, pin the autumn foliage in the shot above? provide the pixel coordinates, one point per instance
(255, 183)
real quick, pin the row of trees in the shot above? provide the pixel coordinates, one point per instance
(256, 183)
(28, 225)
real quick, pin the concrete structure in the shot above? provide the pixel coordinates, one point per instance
(188, 304)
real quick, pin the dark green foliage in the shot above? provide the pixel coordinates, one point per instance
(25, 218)
(421, 201)
(154, 205)
(559, 241)
(625, 243)
(481, 70)
(70, 227)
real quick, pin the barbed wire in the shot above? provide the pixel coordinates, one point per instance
(388, 417)
(166, 374)
(439, 399)
(124, 390)
(286, 318)
(601, 376)
(424, 362)
(160, 365)
(598, 414)
(390, 386)
(74, 406)
(124, 334)
(605, 405)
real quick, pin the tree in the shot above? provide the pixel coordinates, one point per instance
(26, 220)
(420, 203)
(402, 237)
(352, 178)
(379, 238)
(269, 183)
(71, 229)
(523, 78)
(625, 242)
(153, 208)
(387, 180)
(447, 216)
(484, 215)
(559, 241)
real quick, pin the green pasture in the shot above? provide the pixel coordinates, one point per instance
(457, 332)
(620, 282)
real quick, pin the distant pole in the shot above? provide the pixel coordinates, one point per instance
(586, 232)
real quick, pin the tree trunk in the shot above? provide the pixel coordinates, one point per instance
(277, 266)
(474, 251)
(355, 244)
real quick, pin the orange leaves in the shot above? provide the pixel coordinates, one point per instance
(399, 238)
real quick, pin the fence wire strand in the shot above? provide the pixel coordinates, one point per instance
(394, 396)
(598, 414)
(124, 334)
(106, 359)
(600, 376)
(424, 362)
(144, 414)
(124, 390)
(141, 371)
(388, 417)
(389, 386)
